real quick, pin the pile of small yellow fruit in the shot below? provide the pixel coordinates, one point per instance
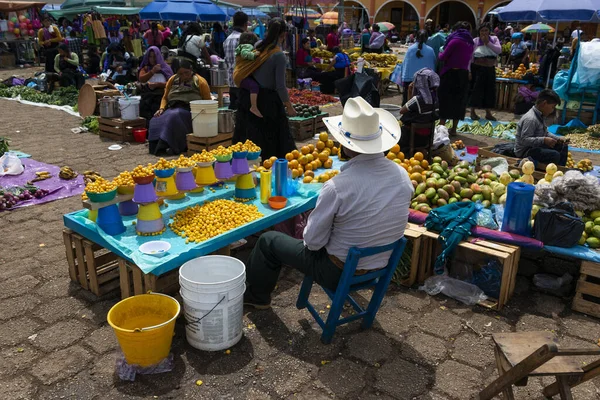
(184, 162)
(585, 165)
(324, 177)
(101, 185)
(202, 222)
(250, 146)
(205, 156)
(238, 147)
(142, 172)
(124, 179)
(416, 166)
(221, 151)
(310, 157)
(163, 164)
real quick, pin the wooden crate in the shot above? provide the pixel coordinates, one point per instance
(476, 253)
(415, 237)
(320, 124)
(196, 144)
(134, 281)
(302, 129)
(7, 60)
(506, 93)
(93, 267)
(587, 294)
(513, 162)
(118, 129)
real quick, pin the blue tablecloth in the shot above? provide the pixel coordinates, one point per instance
(127, 244)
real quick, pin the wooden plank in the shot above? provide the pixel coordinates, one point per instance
(584, 306)
(91, 268)
(588, 288)
(80, 261)
(124, 279)
(590, 268)
(69, 252)
(224, 251)
(122, 123)
(108, 276)
(138, 281)
(149, 283)
(209, 140)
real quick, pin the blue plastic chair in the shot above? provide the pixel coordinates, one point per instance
(348, 283)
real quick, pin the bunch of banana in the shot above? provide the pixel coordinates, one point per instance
(67, 173)
(90, 176)
(40, 176)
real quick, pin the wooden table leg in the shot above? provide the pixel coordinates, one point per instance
(564, 388)
(124, 280)
(507, 392)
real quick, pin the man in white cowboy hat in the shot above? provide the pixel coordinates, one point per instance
(366, 205)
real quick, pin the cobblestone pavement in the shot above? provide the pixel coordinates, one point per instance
(56, 344)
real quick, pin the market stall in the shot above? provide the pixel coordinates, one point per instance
(19, 22)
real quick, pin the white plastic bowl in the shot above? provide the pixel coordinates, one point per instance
(156, 248)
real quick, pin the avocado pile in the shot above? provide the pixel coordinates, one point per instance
(306, 111)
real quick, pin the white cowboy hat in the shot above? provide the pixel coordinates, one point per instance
(364, 129)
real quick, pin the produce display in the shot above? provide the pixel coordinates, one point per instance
(306, 111)
(310, 158)
(184, 162)
(519, 73)
(324, 177)
(310, 98)
(591, 234)
(91, 123)
(506, 131)
(90, 176)
(10, 197)
(3, 145)
(100, 185)
(221, 152)
(203, 157)
(585, 138)
(202, 222)
(551, 173)
(163, 164)
(63, 96)
(458, 145)
(321, 53)
(377, 60)
(124, 179)
(40, 176)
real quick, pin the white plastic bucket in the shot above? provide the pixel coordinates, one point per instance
(130, 108)
(212, 288)
(204, 117)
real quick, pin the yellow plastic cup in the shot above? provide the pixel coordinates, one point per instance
(149, 212)
(144, 326)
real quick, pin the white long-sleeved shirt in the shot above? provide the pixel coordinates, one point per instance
(229, 46)
(366, 205)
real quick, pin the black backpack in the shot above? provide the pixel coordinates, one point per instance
(558, 226)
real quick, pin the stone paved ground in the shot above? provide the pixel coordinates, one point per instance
(55, 342)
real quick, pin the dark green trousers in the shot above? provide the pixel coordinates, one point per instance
(274, 249)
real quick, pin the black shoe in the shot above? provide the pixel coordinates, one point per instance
(251, 302)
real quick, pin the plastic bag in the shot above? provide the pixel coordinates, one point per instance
(441, 136)
(488, 278)
(10, 164)
(396, 75)
(547, 281)
(485, 217)
(588, 64)
(498, 214)
(558, 226)
(464, 292)
(498, 164)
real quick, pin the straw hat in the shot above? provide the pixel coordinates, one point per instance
(364, 129)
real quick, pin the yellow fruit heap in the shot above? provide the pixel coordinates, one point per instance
(310, 157)
(101, 185)
(458, 145)
(250, 146)
(324, 177)
(163, 164)
(221, 151)
(205, 156)
(585, 165)
(238, 147)
(124, 179)
(184, 162)
(142, 172)
(319, 53)
(202, 222)
(398, 157)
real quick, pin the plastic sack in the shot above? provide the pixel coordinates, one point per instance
(10, 164)
(485, 217)
(489, 278)
(498, 164)
(464, 292)
(127, 372)
(498, 214)
(396, 75)
(441, 137)
(547, 281)
(558, 226)
(588, 64)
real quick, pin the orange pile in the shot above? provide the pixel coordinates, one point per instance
(416, 166)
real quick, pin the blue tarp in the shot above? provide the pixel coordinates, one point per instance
(551, 10)
(253, 12)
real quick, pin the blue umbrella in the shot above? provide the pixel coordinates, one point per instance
(229, 11)
(196, 10)
(253, 12)
(551, 10)
(152, 10)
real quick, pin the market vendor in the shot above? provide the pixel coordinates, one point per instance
(66, 65)
(347, 213)
(421, 108)
(49, 37)
(305, 67)
(519, 51)
(153, 75)
(173, 120)
(339, 67)
(533, 139)
(120, 64)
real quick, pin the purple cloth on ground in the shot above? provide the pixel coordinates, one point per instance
(58, 188)
(172, 127)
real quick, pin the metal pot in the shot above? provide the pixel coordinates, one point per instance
(226, 121)
(109, 107)
(218, 77)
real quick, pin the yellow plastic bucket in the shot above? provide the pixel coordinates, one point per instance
(144, 326)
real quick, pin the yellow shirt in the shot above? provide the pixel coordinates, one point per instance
(57, 38)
